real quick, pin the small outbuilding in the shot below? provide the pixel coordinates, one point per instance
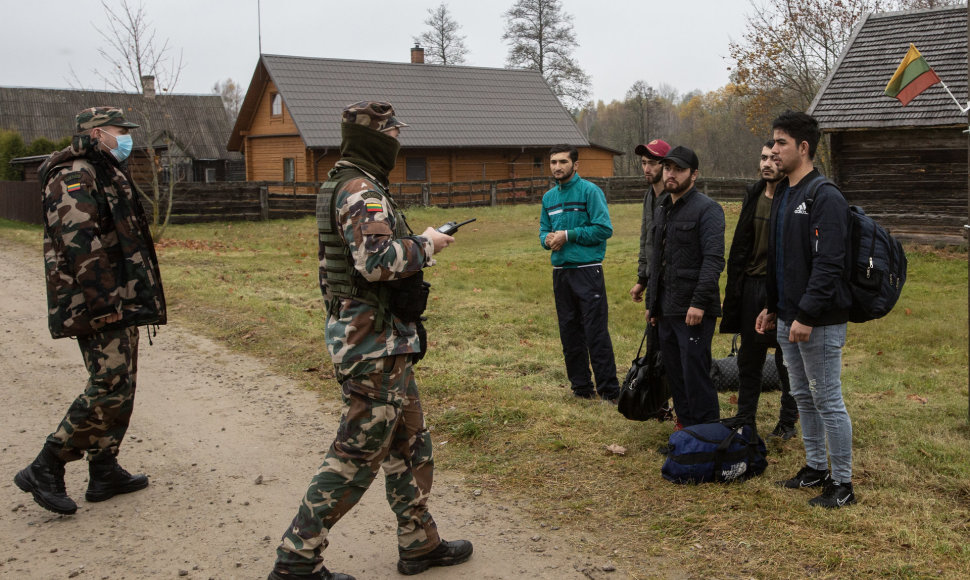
(188, 132)
(466, 123)
(906, 166)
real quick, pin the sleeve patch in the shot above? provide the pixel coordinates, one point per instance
(375, 229)
(373, 207)
(72, 181)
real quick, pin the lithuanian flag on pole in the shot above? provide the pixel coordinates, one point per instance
(913, 76)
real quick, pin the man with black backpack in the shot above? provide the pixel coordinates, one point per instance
(808, 302)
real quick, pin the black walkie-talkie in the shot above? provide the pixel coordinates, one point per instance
(452, 227)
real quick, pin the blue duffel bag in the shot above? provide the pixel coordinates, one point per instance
(714, 452)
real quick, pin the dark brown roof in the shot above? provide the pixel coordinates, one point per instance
(852, 97)
(198, 123)
(445, 106)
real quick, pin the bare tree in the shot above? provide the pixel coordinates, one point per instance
(232, 96)
(140, 63)
(133, 52)
(442, 42)
(541, 38)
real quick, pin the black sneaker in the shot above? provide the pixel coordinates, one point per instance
(584, 394)
(835, 495)
(806, 477)
(783, 431)
(446, 554)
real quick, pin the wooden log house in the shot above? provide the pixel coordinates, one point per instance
(906, 166)
(466, 123)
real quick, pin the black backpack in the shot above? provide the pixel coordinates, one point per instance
(878, 269)
(644, 393)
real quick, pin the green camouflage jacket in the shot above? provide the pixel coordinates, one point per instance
(371, 227)
(99, 257)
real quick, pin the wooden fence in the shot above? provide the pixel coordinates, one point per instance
(253, 200)
(21, 201)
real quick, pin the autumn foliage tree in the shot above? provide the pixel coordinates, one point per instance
(789, 47)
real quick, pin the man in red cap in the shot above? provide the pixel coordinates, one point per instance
(651, 154)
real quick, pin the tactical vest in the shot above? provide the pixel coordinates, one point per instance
(342, 279)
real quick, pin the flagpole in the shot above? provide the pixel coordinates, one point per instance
(959, 106)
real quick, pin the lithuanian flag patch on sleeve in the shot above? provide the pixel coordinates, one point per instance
(373, 207)
(73, 185)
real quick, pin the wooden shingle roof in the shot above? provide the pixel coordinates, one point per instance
(445, 106)
(198, 123)
(852, 96)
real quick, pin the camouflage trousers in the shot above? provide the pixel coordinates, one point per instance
(382, 427)
(97, 420)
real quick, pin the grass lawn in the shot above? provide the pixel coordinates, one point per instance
(497, 398)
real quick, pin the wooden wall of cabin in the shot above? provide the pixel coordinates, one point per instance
(913, 181)
(455, 165)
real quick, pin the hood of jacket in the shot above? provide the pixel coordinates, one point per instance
(81, 147)
(371, 150)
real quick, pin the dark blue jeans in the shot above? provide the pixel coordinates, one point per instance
(686, 354)
(583, 330)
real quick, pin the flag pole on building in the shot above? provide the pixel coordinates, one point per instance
(913, 76)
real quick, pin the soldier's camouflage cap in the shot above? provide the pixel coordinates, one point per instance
(100, 117)
(377, 115)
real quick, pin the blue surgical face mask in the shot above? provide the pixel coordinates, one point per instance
(123, 149)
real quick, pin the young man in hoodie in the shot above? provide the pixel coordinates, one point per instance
(744, 298)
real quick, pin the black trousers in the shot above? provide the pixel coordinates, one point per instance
(751, 357)
(583, 330)
(686, 352)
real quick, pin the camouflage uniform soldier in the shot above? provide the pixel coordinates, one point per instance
(102, 284)
(372, 282)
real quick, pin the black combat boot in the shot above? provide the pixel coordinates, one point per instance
(321, 575)
(446, 554)
(44, 479)
(108, 479)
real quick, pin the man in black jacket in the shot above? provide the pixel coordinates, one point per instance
(651, 155)
(682, 292)
(744, 298)
(809, 300)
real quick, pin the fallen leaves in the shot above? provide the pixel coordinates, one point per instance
(917, 398)
(615, 449)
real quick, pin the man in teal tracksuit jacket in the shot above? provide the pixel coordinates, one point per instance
(575, 225)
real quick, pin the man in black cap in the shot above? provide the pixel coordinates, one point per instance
(683, 296)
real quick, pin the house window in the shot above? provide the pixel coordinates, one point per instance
(416, 169)
(210, 174)
(276, 105)
(537, 162)
(289, 170)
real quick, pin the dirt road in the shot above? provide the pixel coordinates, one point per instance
(229, 447)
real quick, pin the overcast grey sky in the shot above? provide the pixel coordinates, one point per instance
(682, 43)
